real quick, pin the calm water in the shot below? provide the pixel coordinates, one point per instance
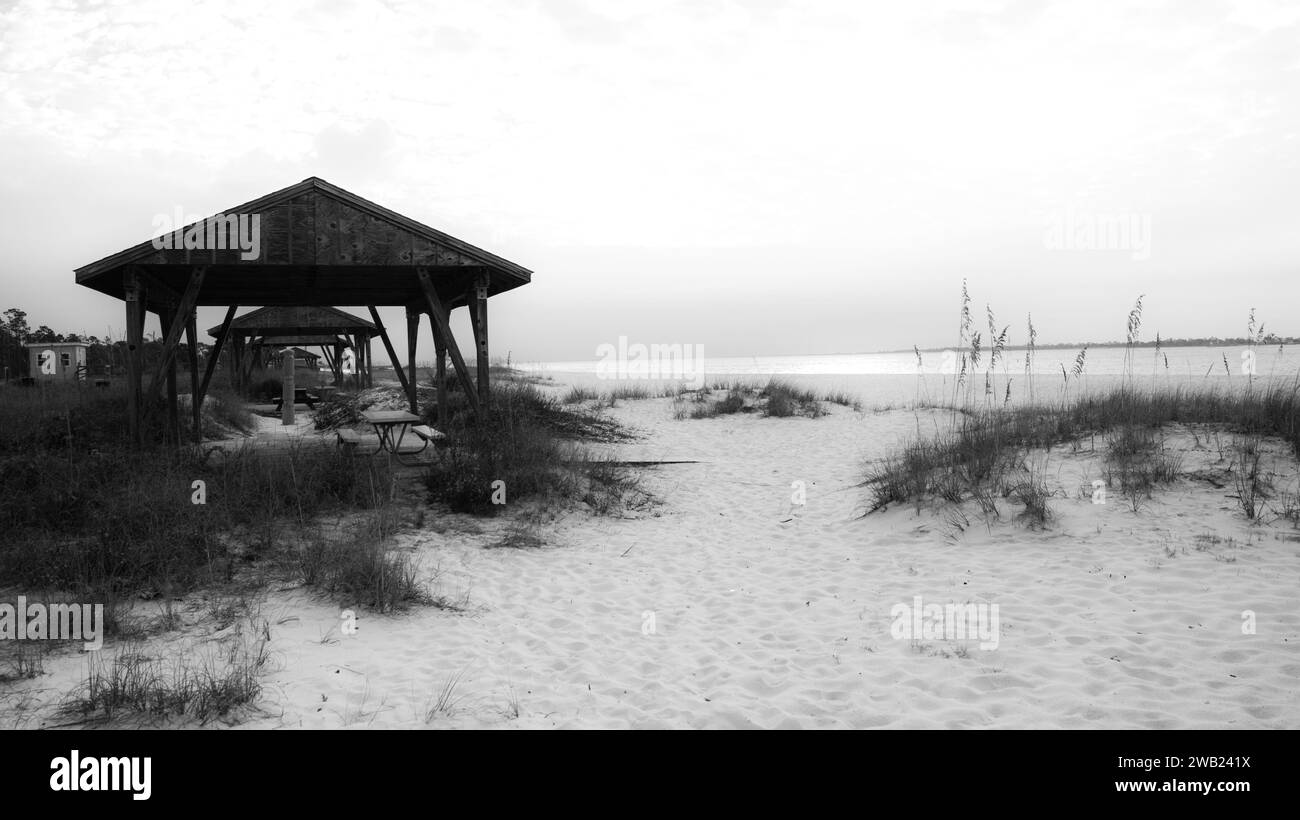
(892, 379)
(1177, 361)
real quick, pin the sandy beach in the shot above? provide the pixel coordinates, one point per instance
(727, 604)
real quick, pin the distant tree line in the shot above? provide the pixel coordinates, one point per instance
(1267, 340)
(103, 356)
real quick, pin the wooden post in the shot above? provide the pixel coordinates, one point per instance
(134, 353)
(388, 347)
(173, 332)
(440, 376)
(478, 313)
(211, 366)
(196, 395)
(361, 360)
(439, 317)
(349, 360)
(165, 319)
(256, 361)
(412, 333)
(237, 364)
(286, 387)
(358, 366)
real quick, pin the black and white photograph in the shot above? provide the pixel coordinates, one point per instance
(651, 365)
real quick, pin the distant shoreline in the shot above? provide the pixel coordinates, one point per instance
(1075, 346)
(1164, 343)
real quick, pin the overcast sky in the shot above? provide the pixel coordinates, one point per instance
(757, 177)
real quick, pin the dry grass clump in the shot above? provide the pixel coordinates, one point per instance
(215, 682)
(778, 398)
(984, 451)
(527, 447)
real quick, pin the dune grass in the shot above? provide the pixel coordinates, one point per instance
(987, 446)
(577, 395)
(778, 398)
(364, 572)
(527, 446)
(215, 682)
(988, 439)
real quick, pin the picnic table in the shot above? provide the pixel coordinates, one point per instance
(300, 396)
(390, 427)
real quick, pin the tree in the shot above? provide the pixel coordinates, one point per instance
(45, 334)
(15, 322)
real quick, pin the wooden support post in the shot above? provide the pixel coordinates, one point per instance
(196, 395)
(349, 366)
(440, 376)
(134, 353)
(173, 334)
(165, 319)
(357, 364)
(439, 316)
(356, 361)
(361, 361)
(217, 346)
(255, 362)
(287, 387)
(237, 364)
(412, 334)
(477, 301)
(388, 347)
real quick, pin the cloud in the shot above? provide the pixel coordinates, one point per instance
(679, 143)
(347, 152)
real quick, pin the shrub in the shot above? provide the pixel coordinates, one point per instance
(122, 520)
(227, 409)
(984, 445)
(784, 400)
(733, 402)
(525, 440)
(367, 573)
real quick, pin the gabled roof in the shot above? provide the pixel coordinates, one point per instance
(291, 340)
(276, 320)
(319, 244)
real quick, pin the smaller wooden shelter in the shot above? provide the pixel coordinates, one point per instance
(256, 339)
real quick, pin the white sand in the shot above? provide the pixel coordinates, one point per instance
(769, 614)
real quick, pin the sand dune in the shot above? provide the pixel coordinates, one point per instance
(770, 614)
(729, 606)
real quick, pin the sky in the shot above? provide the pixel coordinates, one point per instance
(759, 177)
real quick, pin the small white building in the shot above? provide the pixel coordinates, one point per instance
(56, 361)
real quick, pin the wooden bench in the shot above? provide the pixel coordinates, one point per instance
(427, 433)
(348, 438)
(300, 396)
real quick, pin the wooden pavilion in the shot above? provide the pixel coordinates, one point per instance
(316, 244)
(255, 336)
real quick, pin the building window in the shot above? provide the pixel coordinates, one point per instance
(65, 359)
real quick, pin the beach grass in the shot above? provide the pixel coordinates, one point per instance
(527, 446)
(986, 445)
